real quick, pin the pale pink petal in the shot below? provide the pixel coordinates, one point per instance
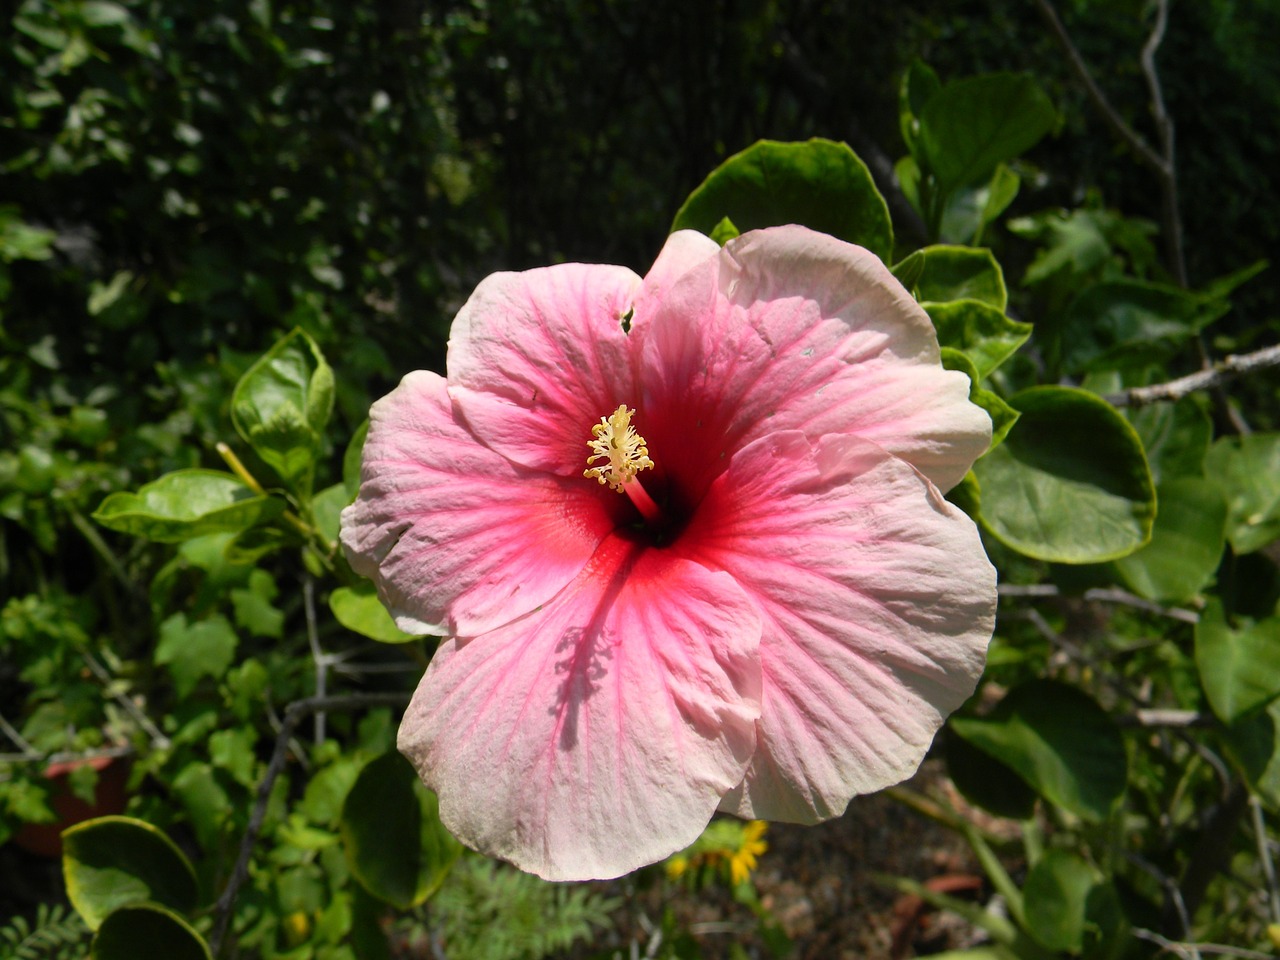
(788, 329)
(683, 251)
(878, 603)
(598, 733)
(536, 358)
(458, 539)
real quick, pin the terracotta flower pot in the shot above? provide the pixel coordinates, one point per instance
(109, 797)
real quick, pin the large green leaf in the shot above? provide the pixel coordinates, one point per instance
(396, 846)
(1070, 483)
(818, 183)
(1123, 323)
(979, 330)
(1254, 745)
(1239, 667)
(961, 273)
(1248, 471)
(359, 609)
(1059, 741)
(1186, 542)
(186, 504)
(985, 781)
(113, 861)
(970, 126)
(148, 931)
(1055, 898)
(281, 406)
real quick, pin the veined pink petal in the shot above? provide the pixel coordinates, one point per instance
(459, 539)
(536, 358)
(683, 251)
(878, 604)
(598, 733)
(789, 329)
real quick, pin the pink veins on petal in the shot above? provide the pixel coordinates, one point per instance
(756, 600)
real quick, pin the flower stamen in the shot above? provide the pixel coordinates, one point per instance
(615, 441)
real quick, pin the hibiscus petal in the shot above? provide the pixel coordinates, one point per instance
(789, 329)
(599, 733)
(878, 604)
(536, 358)
(458, 539)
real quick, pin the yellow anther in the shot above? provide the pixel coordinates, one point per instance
(616, 442)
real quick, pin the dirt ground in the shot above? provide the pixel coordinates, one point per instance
(823, 885)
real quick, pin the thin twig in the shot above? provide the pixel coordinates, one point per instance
(19, 740)
(317, 655)
(1164, 129)
(65, 756)
(1192, 951)
(1264, 854)
(1103, 595)
(158, 740)
(293, 715)
(1209, 379)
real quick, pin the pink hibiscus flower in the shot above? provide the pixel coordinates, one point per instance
(756, 600)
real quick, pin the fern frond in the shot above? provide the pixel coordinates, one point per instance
(57, 934)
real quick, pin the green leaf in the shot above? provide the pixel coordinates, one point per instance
(1176, 437)
(395, 844)
(1186, 542)
(148, 931)
(351, 459)
(281, 406)
(962, 273)
(1254, 744)
(968, 210)
(985, 781)
(1070, 483)
(1247, 469)
(327, 507)
(359, 610)
(186, 504)
(984, 333)
(909, 270)
(113, 861)
(971, 125)
(194, 650)
(1055, 898)
(724, 231)
(254, 610)
(818, 183)
(1239, 668)
(919, 85)
(1059, 741)
(1127, 323)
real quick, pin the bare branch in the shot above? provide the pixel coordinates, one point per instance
(1193, 950)
(1210, 379)
(293, 715)
(1102, 595)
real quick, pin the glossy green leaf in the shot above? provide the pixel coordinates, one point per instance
(148, 931)
(1176, 437)
(1248, 471)
(204, 648)
(1239, 665)
(359, 610)
(1070, 482)
(919, 85)
(968, 210)
(962, 273)
(970, 126)
(395, 844)
(327, 507)
(818, 183)
(909, 270)
(1123, 323)
(979, 329)
(1055, 898)
(186, 504)
(724, 231)
(1186, 542)
(113, 861)
(281, 406)
(1059, 741)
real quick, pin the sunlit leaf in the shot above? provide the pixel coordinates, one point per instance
(1239, 667)
(1248, 471)
(1186, 542)
(818, 183)
(186, 504)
